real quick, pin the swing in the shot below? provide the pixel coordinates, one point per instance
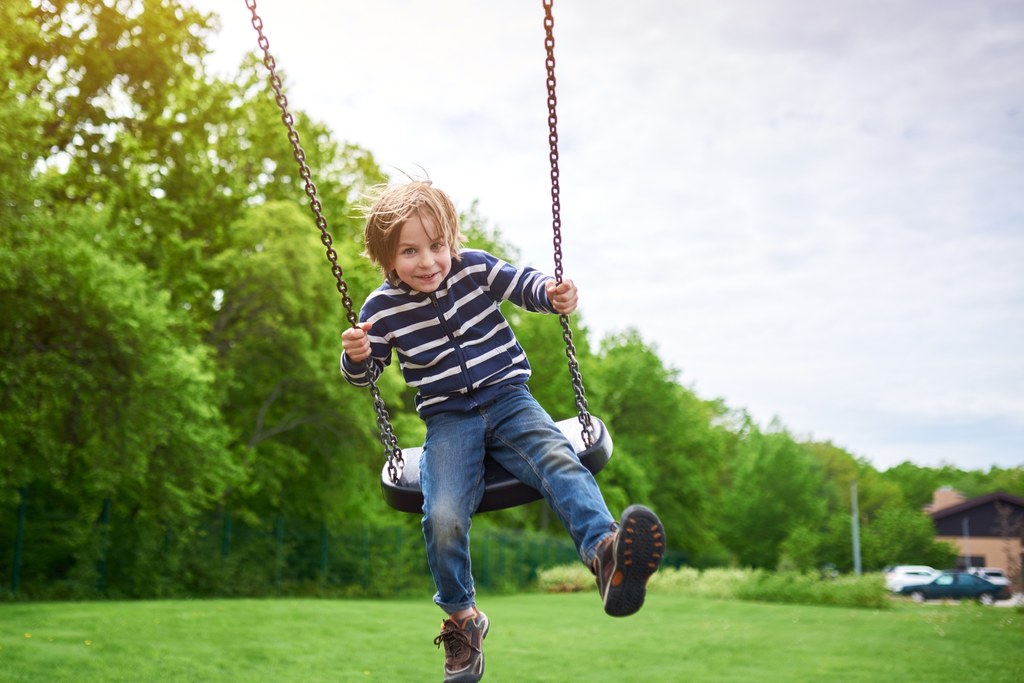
(400, 483)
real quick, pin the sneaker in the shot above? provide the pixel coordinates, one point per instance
(463, 648)
(626, 560)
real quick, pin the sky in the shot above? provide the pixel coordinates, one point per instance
(813, 211)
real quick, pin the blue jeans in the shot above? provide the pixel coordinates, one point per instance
(523, 439)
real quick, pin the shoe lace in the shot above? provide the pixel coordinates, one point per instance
(455, 641)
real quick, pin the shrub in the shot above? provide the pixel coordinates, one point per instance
(811, 589)
(741, 584)
(566, 578)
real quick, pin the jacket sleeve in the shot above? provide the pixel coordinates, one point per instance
(525, 287)
(360, 374)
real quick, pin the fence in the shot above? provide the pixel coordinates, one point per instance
(107, 552)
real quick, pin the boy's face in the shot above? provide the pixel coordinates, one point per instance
(422, 258)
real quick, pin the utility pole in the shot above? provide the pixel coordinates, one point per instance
(856, 529)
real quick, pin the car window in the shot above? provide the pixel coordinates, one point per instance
(944, 580)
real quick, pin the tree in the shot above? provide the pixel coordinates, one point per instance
(842, 470)
(903, 536)
(774, 489)
(668, 443)
(1010, 480)
(104, 390)
(274, 326)
(179, 163)
(21, 117)
(917, 483)
(173, 343)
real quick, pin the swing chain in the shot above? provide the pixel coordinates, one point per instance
(387, 433)
(556, 225)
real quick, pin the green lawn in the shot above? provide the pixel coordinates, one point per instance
(534, 637)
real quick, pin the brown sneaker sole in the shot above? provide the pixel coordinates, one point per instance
(638, 550)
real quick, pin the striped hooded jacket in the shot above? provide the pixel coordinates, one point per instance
(454, 345)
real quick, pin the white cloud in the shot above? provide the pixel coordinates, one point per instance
(813, 209)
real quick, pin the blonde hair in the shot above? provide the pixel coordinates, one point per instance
(390, 206)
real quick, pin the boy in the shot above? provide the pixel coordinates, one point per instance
(438, 308)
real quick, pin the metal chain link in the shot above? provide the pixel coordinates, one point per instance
(556, 225)
(387, 433)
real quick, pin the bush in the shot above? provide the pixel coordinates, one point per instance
(709, 583)
(740, 584)
(566, 578)
(810, 589)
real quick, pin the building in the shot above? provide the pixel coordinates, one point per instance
(986, 530)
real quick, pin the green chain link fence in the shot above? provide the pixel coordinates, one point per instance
(106, 552)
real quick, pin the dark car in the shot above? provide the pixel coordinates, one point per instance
(957, 585)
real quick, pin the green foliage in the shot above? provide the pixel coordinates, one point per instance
(76, 552)
(801, 550)
(104, 388)
(668, 439)
(842, 471)
(809, 588)
(1010, 480)
(274, 327)
(774, 488)
(835, 542)
(173, 336)
(566, 578)
(917, 483)
(21, 116)
(903, 536)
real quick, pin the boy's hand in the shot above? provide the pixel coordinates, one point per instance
(563, 296)
(356, 342)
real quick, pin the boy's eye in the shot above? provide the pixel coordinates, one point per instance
(438, 246)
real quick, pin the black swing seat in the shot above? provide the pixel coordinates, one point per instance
(501, 489)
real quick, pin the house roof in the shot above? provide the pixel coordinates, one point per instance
(996, 497)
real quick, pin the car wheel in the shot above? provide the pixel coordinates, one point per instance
(986, 599)
(917, 596)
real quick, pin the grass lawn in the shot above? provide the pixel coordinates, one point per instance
(534, 637)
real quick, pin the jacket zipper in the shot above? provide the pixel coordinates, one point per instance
(467, 380)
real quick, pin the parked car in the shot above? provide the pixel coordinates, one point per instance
(901, 575)
(957, 585)
(993, 574)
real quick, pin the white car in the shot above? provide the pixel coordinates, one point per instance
(908, 575)
(992, 574)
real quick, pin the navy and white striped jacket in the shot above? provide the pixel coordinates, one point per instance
(454, 345)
